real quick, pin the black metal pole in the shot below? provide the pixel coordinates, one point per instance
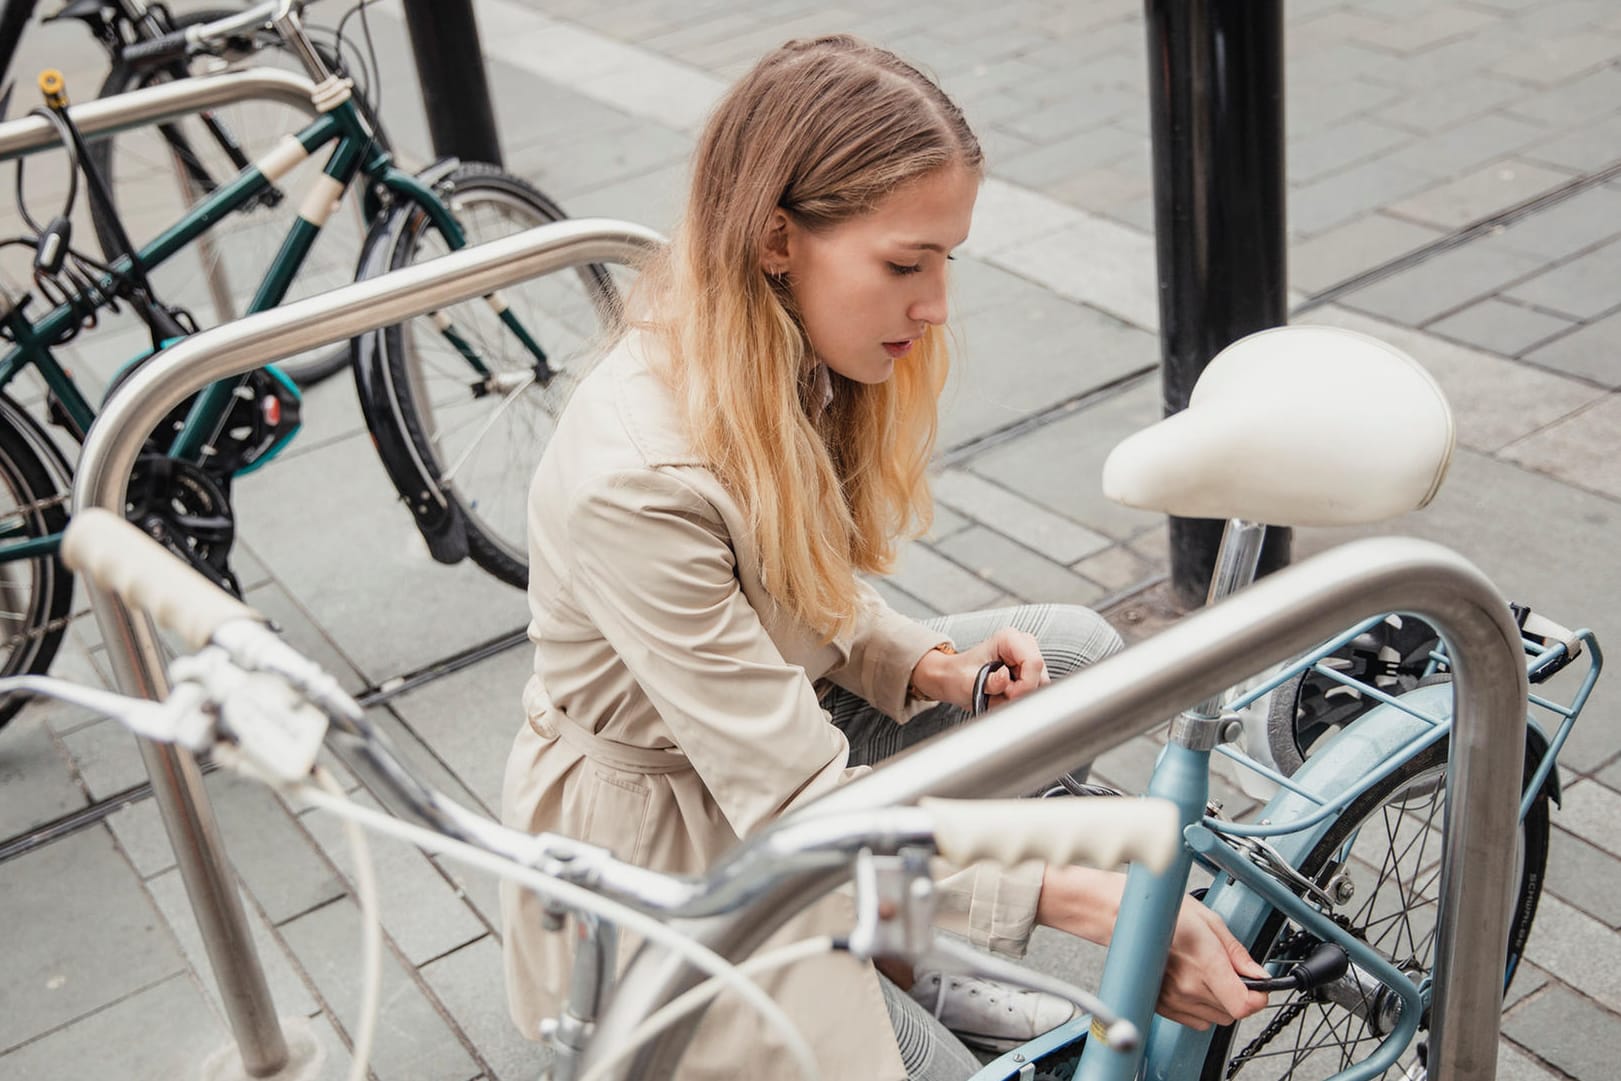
(1215, 74)
(450, 66)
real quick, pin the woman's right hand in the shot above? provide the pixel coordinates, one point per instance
(1201, 986)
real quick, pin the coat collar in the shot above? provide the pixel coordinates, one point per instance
(646, 406)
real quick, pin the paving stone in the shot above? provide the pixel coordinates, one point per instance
(1342, 58)
(469, 984)
(1583, 288)
(1480, 194)
(279, 864)
(1590, 810)
(1058, 466)
(162, 1032)
(1515, 1065)
(940, 583)
(138, 825)
(470, 717)
(1102, 189)
(106, 757)
(1094, 261)
(1580, 950)
(1588, 149)
(997, 502)
(1583, 449)
(1547, 61)
(900, 600)
(299, 631)
(1325, 104)
(1444, 106)
(946, 522)
(1586, 877)
(1017, 569)
(287, 990)
(414, 1040)
(36, 779)
(1006, 215)
(653, 199)
(1569, 226)
(1494, 401)
(1472, 144)
(1347, 250)
(78, 934)
(1058, 160)
(1444, 282)
(422, 914)
(1116, 569)
(1336, 199)
(1591, 352)
(1334, 147)
(1501, 327)
(601, 158)
(1569, 1031)
(1420, 30)
(1584, 100)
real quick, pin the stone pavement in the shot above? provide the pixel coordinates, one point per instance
(1453, 185)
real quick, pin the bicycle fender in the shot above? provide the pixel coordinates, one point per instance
(436, 515)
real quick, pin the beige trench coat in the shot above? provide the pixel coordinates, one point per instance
(674, 710)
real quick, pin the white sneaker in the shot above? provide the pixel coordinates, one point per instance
(987, 1013)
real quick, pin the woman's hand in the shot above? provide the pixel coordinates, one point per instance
(949, 677)
(1201, 985)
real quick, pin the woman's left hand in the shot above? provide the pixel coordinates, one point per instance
(947, 677)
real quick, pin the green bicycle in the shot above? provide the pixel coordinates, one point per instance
(459, 403)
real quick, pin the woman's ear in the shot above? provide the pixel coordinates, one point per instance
(775, 244)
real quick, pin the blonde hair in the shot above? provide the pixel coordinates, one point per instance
(823, 129)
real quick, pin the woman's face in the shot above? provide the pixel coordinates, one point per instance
(867, 288)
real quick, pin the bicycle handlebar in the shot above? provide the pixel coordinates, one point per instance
(1095, 831)
(121, 559)
(178, 44)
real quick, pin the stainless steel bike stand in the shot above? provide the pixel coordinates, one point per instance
(102, 480)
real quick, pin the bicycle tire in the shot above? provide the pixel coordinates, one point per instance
(1416, 787)
(438, 397)
(36, 595)
(330, 263)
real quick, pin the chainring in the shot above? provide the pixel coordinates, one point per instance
(188, 511)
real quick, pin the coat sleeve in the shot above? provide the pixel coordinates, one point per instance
(654, 571)
(884, 649)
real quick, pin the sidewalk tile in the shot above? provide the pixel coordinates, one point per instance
(1591, 352)
(1056, 161)
(1347, 250)
(1584, 449)
(1579, 950)
(1479, 195)
(1336, 199)
(106, 757)
(1588, 149)
(1328, 149)
(415, 1041)
(903, 602)
(1586, 877)
(1421, 30)
(1569, 1031)
(1017, 569)
(1446, 281)
(79, 934)
(422, 914)
(1569, 226)
(1006, 215)
(1116, 569)
(1590, 810)
(36, 780)
(1458, 100)
(1548, 61)
(138, 826)
(1583, 288)
(277, 862)
(163, 1032)
(998, 503)
(469, 984)
(287, 989)
(1501, 327)
(940, 583)
(1097, 262)
(1472, 144)
(1585, 100)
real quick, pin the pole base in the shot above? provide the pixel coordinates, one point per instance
(305, 1057)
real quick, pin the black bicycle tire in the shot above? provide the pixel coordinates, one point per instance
(51, 598)
(123, 77)
(489, 554)
(1315, 864)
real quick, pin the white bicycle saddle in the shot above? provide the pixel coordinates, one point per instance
(1303, 425)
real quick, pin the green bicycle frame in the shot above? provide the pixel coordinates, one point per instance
(355, 152)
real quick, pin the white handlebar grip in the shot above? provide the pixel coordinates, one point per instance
(1100, 831)
(123, 560)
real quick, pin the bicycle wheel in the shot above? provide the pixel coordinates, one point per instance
(1387, 847)
(483, 436)
(36, 594)
(173, 165)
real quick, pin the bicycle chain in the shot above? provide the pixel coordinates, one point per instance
(1293, 1009)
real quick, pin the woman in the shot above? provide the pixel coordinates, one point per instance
(706, 658)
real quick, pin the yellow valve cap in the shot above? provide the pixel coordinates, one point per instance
(54, 87)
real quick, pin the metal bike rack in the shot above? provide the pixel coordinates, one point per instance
(1080, 717)
(1075, 719)
(155, 104)
(102, 480)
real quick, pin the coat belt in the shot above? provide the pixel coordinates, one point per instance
(551, 722)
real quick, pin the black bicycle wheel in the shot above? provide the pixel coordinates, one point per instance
(175, 164)
(36, 594)
(483, 436)
(1386, 849)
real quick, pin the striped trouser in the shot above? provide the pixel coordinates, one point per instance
(1071, 637)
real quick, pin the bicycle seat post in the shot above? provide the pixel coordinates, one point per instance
(596, 953)
(1236, 561)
